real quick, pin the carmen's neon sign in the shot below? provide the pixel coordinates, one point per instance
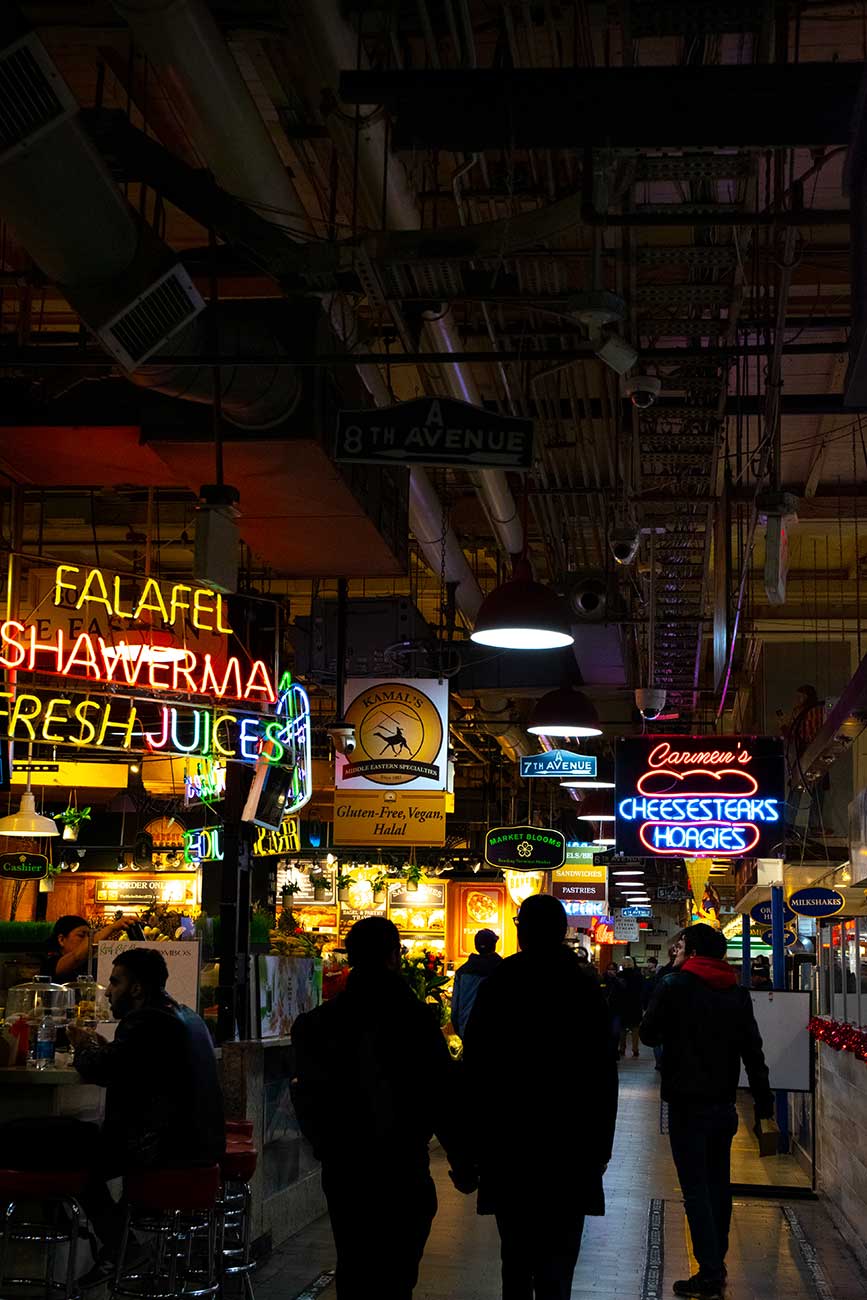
(697, 798)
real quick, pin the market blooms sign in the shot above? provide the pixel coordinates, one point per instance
(525, 848)
(723, 796)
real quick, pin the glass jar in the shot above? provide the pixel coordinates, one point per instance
(88, 1001)
(36, 999)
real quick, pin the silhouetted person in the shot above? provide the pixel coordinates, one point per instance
(539, 1038)
(760, 975)
(373, 1081)
(632, 983)
(470, 977)
(705, 1023)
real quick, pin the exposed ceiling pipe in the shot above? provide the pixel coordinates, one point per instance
(189, 54)
(383, 181)
(60, 198)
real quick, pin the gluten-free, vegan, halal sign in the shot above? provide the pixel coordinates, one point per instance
(23, 866)
(559, 763)
(717, 795)
(528, 848)
(435, 431)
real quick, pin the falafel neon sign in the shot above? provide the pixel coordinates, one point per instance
(682, 798)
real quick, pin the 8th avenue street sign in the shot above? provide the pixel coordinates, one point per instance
(434, 431)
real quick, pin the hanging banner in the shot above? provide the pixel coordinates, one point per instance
(390, 817)
(559, 763)
(528, 848)
(401, 735)
(434, 431)
(721, 795)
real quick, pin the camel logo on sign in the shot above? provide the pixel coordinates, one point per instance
(399, 735)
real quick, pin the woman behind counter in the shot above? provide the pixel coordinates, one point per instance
(69, 945)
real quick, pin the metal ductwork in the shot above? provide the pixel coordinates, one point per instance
(59, 197)
(184, 44)
(383, 181)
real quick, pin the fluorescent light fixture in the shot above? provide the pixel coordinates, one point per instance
(579, 784)
(596, 817)
(628, 871)
(604, 840)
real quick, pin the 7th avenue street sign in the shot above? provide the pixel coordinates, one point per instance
(434, 431)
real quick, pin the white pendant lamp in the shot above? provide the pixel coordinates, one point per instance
(27, 821)
(523, 615)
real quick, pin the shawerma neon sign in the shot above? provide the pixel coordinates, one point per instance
(723, 796)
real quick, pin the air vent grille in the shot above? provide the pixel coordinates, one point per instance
(33, 95)
(144, 326)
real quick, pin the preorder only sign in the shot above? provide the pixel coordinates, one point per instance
(723, 796)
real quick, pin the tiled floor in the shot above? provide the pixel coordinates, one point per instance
(781, 1249)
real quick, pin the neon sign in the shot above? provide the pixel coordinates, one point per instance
(90, 587)
(204, 845)
(724, 797)
(270, 844)
(208, 781)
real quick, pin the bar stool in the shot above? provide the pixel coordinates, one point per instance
(178, 1207)
(237, 1167)
(239, 1128)
(59, 1191)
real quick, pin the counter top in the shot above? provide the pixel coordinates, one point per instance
(56, 1077)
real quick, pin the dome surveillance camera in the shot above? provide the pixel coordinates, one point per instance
(642, 390)
(343, 738)
(650, 701)
(624, 544)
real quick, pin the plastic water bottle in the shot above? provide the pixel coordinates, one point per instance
(45, 1040)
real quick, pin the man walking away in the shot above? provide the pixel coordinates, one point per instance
(471, 975)
(703, 1020)
(374, 1080)
(539, 1036)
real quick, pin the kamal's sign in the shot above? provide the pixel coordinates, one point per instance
(401, 735)
(435, 431)
(723, 796)
(559, 763)
(528, 848)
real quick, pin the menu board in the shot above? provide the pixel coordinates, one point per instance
(477, 907)
(182, 960)
(136, 891)
(419, 910)
(305, 897)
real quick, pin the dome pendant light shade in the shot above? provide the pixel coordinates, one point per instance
(27, 820)
(523, 615)
(564, 712)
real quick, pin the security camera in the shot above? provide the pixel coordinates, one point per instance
(650, 701)
(343, 738)
(642, 390)
(624, 544)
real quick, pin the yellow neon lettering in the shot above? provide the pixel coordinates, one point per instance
(49, 718)
(157, 606)
(124, 727)
(118, 608)
(200, 596)
(81, 716)
(218, 744)
(20, 714)
(94, 579)
(59, 585)
(5, 695)
(220, 627)
(178, 604)
(8, 640)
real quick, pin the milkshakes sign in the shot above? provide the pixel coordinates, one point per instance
(723, 796)
(401, 735)
(434, 431)
(525, 848)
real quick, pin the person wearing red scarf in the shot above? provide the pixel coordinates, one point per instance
(704, 1023)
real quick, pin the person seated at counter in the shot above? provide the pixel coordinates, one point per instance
(69, 946)
(163, 1104)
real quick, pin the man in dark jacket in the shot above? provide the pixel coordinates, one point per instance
(373, 1082)
(471, 975)
(538, 1036)
(704, 1021)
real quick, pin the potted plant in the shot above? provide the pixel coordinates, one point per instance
(343, 882)
(71, 819)
(379, 885)
(412, 874)
(319, 880)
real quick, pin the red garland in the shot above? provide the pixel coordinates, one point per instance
(840, 1037)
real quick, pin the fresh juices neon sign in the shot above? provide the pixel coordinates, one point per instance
(696, 798)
